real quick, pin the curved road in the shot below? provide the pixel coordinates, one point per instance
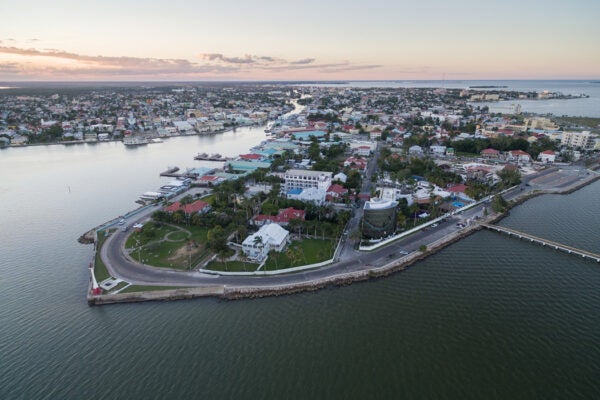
(121, 266)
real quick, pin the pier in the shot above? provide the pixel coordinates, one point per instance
(544, 242)
(172, 173)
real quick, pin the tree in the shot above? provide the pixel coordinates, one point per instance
(510, 177)
(217, 239)
(499, 204)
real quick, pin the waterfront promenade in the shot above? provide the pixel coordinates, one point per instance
(350, 265)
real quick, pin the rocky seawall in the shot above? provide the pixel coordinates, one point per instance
(248, 292)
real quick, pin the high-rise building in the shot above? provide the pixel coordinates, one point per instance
(379, 218)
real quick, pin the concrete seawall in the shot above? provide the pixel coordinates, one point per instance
(246, 292)
(157, 295)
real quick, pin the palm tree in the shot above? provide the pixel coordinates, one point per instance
(258, 242)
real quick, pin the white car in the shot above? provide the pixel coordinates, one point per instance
(434, 225)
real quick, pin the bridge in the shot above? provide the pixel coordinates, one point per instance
(543, 242)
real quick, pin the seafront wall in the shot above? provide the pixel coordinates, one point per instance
(398, 265)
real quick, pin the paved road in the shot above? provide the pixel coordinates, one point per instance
(123, 267)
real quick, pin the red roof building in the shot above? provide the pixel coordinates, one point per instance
(251, 157)
(356, 163)
(457, 188)
(335, 191)
(282, 218)
(189, 209)
(490, 153)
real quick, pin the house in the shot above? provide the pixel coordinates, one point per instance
(459, 191)
(375, 134)
(491, 154)
(356, 163)
(335, 192)
(198, 206)
(341, 177)
(363, 151)
(283, 218)
(519, 156)
(269, 237)
(547, 156)
(211, 180)
(415, 150)
(438, 150)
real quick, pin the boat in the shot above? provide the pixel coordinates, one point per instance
(156, 140)
(135, 140)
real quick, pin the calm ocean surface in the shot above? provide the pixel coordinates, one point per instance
(490, 317)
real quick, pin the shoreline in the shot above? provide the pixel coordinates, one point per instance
(395, 266)
(76, 142)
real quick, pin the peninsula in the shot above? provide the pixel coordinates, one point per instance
(347, 185)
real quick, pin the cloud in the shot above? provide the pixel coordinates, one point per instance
(9, 67)
(60, 63)
(304, 61)
(248, 59)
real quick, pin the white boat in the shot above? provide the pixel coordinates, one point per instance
(156, 140)
(135, 140)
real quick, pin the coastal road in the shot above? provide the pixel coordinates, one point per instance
(121, 266)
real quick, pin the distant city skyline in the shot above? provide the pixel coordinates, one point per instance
(312, 40)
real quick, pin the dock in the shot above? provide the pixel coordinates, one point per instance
(172, 173)
(544, 242)
(212, 157)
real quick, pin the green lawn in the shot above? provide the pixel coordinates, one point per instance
(308, 251)
(119, 286)
(149, 233)
(168, 253)
(100, 270)
(305, 252)
(471, 155)
(136, 288)
(231, 266)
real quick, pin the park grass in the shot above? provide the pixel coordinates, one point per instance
(231, 266)
(100, 271)
(119, 286)
(158, 253)
(309, 251)
(142, 239)
(139, 288)
(469, 155)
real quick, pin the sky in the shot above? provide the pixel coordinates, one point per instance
(64, 40)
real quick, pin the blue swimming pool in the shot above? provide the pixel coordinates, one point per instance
(458, 204)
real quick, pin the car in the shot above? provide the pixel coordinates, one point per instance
(124, 228)
(434, 225)
(404, 252)
(122, 222)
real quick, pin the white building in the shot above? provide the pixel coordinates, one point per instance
(269, 237)
(303, 179)
(340, 176)
(547, 156)
(578, 140)
(438, 150)
(311, 194)
(184, 127)
(415, 150)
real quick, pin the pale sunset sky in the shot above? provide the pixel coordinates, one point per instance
(301, 40)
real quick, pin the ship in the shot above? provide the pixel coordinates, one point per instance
(135, 140)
